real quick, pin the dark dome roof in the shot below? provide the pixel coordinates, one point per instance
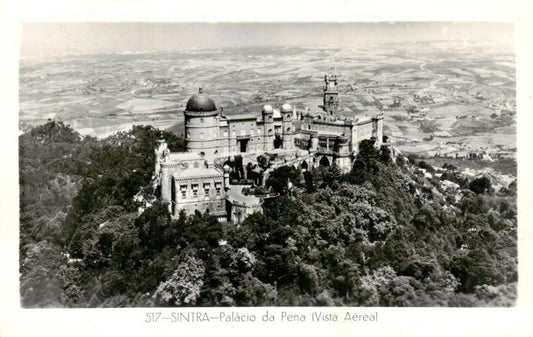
(200, 102)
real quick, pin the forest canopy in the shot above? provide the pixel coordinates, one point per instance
(392, 232)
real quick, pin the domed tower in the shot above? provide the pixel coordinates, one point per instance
(268, 128)
(286, 126)
(201, 124)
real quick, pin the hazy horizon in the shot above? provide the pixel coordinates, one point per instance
(61, 39)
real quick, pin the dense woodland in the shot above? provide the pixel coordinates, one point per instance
(385, 234)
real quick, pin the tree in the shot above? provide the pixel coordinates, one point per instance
(480, 185)
(385, 155)
(365, 164)
(309, 182)
(183, 287)
(280, 177)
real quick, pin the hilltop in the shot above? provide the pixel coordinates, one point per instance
(395, 231)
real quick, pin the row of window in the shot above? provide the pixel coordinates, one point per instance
(195, 187)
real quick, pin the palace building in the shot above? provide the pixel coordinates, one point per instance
(198, 180)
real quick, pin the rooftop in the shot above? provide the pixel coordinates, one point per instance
(247, 116)
(197, 172)
(184, 156)
(200, 102)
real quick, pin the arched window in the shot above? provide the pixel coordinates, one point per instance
(324, 162)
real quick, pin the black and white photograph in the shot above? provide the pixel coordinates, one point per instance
(266, 165)
(343, 167)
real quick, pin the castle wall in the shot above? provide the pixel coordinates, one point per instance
(365, 131)
(203, 194)
(248, 131)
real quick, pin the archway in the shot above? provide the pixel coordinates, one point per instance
(304, 166)
(243, 145)
(278, 142)
(324, 161)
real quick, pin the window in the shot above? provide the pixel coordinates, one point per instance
(218, 187)
(207, 187)
(183, 190)
(195, 190)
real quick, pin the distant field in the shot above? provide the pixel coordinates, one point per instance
(503, 166)
(98, 94)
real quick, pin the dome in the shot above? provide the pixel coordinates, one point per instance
(286, 108)
(200, 102)
(267, 108)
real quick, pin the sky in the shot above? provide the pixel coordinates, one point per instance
(57, 39)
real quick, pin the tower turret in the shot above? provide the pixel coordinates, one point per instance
(268, 128)
(161, 151)
(286, 126)
(342, 154)
(331, 95)
(201, 124)
(377, 131)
